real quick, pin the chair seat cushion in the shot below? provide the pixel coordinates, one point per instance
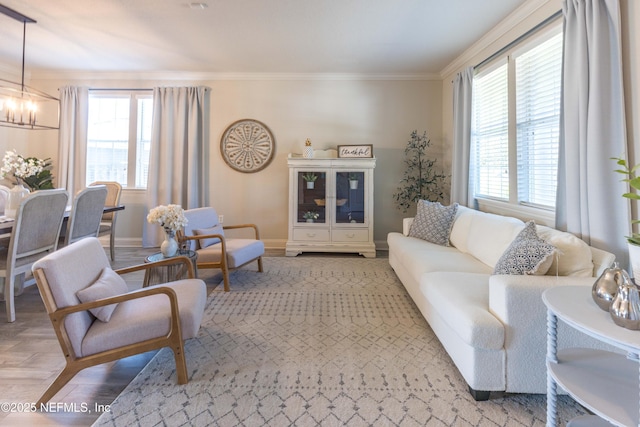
(149, 317)
(239, 252)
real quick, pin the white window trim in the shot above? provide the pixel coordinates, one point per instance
(513, 207)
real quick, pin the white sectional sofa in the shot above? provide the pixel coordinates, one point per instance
(492, 326)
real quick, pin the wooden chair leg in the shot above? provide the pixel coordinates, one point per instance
(181, 364)
(260, 265)
(225, 277)
(61, 380)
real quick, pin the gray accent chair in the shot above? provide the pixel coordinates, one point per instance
(144, 319)
(86, 214)
(108, 223)
(34, 235)
(205, 235)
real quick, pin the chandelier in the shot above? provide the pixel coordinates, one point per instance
(21, 106)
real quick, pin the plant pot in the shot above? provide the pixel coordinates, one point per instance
(353, 184)
(634, 261)
(309, 220)
(310, 185)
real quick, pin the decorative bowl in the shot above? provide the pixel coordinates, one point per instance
(341, 202)
(320, 202)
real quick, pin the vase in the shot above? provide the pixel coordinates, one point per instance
(16, 194)
(634, 261)
(169, 246)
(310, 185)
(353, 184)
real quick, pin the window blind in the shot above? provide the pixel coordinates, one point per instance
(538, 89)
(490, 135)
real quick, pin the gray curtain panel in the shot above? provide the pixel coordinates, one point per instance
(72, 138)
(589, 202)
(461, 190)
(178, 161)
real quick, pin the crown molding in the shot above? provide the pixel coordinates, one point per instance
(213, 76)
(509, 23)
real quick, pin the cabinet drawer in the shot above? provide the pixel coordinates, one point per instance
(311, 234)
(350, 235)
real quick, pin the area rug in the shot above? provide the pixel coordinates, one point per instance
(316, 341)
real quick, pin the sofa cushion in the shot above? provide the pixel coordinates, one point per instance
(109, 284)
(573, 257)
(217, 229)
(461, 300)
(527, 254)
(486, 235)
(419, 257)
(433, 222)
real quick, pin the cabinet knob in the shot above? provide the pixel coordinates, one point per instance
(351, 235)
(311, 234)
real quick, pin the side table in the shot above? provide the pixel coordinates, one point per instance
(168, 273)
(604, 382)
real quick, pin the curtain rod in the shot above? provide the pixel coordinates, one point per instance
(121, 89)
(538, 27)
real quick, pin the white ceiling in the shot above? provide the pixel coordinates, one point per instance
(247, 36)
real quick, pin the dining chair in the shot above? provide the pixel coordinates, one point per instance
(206, 236)
(86, 214)
(97, 319)
(4, 197)
(108, 223)
(34, 235)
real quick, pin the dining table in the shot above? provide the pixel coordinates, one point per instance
(6, 223)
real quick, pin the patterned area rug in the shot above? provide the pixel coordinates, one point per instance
(316, 341)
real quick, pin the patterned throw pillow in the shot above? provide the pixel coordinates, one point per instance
(433, 222)
(527, 254)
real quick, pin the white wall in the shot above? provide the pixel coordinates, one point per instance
(328, 110)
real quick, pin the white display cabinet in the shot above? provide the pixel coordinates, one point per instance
(330, 205)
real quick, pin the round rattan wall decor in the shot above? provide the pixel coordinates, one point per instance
(247, 146)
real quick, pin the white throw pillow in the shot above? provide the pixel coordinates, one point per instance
(433, 222)
(527, 254)
(109, 284)
(211, 230)
(574, 256)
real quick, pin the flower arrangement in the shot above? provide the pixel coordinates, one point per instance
(170, 217)
(30, 171)
(311, 215)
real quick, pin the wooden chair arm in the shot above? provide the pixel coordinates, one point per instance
(254, 226)
(167, 261)
(61, 313)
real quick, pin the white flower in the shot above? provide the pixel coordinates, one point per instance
(170, 217)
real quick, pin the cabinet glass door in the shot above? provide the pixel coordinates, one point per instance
(312, 197)
(350, 193)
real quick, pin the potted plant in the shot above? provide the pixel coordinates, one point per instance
(634, 239)
(310, 216)
(310, 178)
(353, 181)
(421, 180)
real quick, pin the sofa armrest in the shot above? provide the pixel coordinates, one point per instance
(516, 301)
(406, 225)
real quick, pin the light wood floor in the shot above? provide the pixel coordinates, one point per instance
(30, 359)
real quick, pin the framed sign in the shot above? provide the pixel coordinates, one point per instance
(355, 151)
(247, 146)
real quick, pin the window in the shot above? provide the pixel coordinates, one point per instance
(516, 125)
(119, 136)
